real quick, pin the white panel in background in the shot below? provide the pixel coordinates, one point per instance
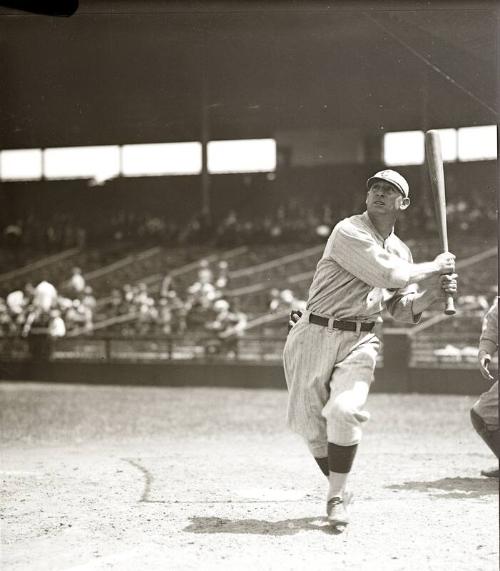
(404, 148)
(102, 162)
(21, 164)
(245, 155)
(477, 143)
(161, 159)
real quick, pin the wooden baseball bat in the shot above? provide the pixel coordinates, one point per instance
(434, 161)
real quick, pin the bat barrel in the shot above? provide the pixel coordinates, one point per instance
(434, 161)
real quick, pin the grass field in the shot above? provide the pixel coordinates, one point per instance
(136, 478)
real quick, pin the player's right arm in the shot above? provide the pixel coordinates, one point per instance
(359, 253)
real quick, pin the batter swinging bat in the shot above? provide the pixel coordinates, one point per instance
(436, 174)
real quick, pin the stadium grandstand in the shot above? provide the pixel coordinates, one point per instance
(171, 210)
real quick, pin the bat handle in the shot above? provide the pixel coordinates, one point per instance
(450, 305)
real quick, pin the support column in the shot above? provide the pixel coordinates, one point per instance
(205, 137)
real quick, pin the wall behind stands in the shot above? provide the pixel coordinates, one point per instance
(237, 375)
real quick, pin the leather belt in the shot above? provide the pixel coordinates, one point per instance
(343, 325)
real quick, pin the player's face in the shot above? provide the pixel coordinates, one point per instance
(382, 197)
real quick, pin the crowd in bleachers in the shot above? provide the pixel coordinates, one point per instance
(60, 311)
(172, 308)
(201, 308)
(137, 309)
(289, 222)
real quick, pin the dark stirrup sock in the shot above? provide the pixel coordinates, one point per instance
(323, 465)
(340, 458)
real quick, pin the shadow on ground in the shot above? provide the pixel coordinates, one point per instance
(259, 526)
(453, 488)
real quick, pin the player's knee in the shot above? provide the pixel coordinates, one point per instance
(342, 412)
(344, 420)
(342, 409)
(477, 422)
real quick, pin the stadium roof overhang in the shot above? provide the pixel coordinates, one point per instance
(123, 72)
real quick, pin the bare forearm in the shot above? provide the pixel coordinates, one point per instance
(423, 271)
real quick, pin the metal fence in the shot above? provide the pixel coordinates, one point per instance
(427, 350)
(148, 349)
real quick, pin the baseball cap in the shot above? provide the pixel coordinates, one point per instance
(393, 178)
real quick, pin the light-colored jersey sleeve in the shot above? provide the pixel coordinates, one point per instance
(358, 252)
(488, 341)
(400, 306)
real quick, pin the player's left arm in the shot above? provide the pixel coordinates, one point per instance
(446, 284)
(408, 304)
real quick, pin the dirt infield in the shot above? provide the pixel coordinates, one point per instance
(100, 478)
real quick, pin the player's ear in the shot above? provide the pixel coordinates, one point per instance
(405, 203)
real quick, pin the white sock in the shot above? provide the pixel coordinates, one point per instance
(337, 483)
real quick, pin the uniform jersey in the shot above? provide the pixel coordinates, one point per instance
(360, 273)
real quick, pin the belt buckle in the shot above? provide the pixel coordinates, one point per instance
(358, 327)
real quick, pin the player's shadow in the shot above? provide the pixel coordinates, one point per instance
(259, 526)
(453, 488)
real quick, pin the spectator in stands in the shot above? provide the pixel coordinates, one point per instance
(51, 238)
(16, 304)
(478, 302)
(76, 283)
(29, 292)
(167, 285)
(115, 305)
(147, 317)
(79, 317)
(229, 325)
(201, 313)
(227, 231)
(57, 327)
(275, 300)
(205, 274)
(7, 325)
(164, 316)
(13, 234)
(45, 296)
(88, 299)
(222, 280)
(179, 311)
(202, 291)
(289, 301)
(141, 294)
(284, 300)
(64, 304)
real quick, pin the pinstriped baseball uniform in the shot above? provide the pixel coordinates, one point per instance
(487, 404)
(329, 371)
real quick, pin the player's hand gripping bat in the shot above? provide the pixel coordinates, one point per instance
(436, 174)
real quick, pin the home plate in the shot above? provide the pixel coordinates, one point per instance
(263, 495)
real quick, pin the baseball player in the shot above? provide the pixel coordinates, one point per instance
(484, 413)
(330, 353)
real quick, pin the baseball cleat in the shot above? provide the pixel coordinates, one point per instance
(336, 511)
(491, 473)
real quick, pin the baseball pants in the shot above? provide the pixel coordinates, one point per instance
(328, 374)
(487, 407)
